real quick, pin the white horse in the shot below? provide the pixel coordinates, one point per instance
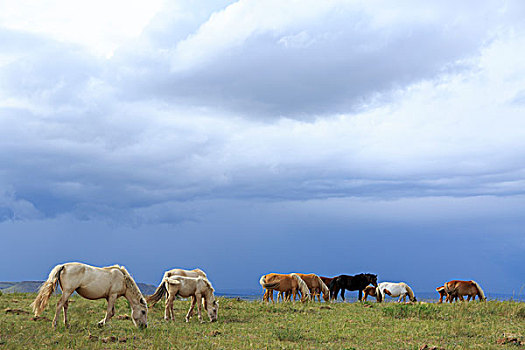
(194, 287)
(400, 290)
(161, 290)
(92, 283)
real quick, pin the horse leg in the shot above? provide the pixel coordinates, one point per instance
(168, 312)
(110, 310)
(60, 305)
(190, 311)
(66, 305)
(198, 297)
(360, 295)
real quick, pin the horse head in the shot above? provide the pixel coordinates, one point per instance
(372, 279)
(139, 313)
(213, 310)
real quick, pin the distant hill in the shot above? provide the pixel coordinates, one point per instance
(4, 285)
(32, 287)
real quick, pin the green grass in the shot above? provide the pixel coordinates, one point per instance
(247, 325)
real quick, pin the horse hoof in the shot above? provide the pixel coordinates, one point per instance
(100, 324)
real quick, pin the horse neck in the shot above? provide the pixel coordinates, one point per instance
(132, 293)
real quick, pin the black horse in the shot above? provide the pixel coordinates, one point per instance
(357, 282)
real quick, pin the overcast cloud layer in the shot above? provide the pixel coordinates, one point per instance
(224, 120)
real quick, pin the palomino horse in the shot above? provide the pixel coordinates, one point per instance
(92, 283)
(283, 283)
(194, 287)
(316, 286)
(326, 280)
(444, 294)
(460, 288)
(175, 272)
(400, 290)
(357, 282)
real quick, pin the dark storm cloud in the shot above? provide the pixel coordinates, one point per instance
(333, 64)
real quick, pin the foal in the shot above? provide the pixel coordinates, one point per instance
(194, 287)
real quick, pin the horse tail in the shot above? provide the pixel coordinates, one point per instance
(480, 291)
(302, 286)
(46, 289)
(159, 293)
(410, 292)
(262, 282)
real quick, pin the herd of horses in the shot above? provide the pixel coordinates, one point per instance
(310, 286)
(115, 281)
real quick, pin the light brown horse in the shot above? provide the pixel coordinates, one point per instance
(92, 283)
(316, 286)
(283, 283)
(461, 288)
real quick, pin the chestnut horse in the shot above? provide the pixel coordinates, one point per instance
(372, 291)
(316, 286)
(444, 294)
(460, 288)
(92, 283)
(283, 283)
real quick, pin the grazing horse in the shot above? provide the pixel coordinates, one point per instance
(92, 283)
(400, 290)
(283, 283)
(316, 286)
(372, 291)
(326, 280)
(458, 289)
(448, 297)
(160, 291)
(194, 287)
(357, 282)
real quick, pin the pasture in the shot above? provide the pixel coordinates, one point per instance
(244, 324)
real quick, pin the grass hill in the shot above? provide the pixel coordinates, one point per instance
(496, 325)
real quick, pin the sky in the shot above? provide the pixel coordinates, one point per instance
(247, 137)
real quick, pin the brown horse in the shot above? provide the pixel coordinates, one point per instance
(372, 291)
(444, 294)
(316, 286)
(457, 288)
(283, 283)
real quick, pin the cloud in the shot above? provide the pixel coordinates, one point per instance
(314, 58)
(338, 101)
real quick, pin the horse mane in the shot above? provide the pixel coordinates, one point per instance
(131, 284)
(208, 283)
(302, 285)
(324, 288)
(409, 291)
(480, 291)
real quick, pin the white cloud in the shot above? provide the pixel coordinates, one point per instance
(99, 25)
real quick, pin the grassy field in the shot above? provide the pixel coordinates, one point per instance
(243, 325)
